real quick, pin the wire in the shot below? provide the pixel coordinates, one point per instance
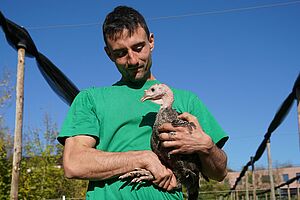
(172, 16)
(284, 134)
(64, 26)
(227, 11)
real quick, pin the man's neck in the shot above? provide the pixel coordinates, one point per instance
(138, 83)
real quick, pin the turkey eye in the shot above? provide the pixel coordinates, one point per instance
(152, 89)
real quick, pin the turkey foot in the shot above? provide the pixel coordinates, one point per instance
(138, 175)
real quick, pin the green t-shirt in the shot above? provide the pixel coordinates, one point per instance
(120, 122)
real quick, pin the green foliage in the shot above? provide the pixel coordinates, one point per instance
(41, 172)
(5, 169)
(5, 89)
(41, 175)
(5, 139)
(212, 189)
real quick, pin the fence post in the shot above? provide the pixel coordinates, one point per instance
(247, 186)
(289, 192)
(17, 154)
(298, 109)
(298, 191)
(272, 195)
(253, 178)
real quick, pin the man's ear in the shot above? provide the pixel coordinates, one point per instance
(108, 53)
(151, 41)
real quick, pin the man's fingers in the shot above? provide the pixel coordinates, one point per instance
(166, 127)
(167, 183)
(188, 117)
(168, 136)
(173, 183)
(161, 182)
(175, 151)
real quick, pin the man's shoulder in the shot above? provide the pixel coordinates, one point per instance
(97, 89)
(93, 92)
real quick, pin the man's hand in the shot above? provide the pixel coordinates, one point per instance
(184, 140)
(153, 171)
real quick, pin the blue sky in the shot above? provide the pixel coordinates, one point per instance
(240, 57)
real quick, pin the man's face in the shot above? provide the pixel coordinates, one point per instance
(132, 55)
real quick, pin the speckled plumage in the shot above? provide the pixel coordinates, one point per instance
(185, 167)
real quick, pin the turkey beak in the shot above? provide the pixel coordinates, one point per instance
(145, 97)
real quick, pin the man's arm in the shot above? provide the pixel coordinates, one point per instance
(81, 160)
(214, 163)
(185, 141)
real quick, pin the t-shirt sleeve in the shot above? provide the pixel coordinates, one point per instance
(208, 122)
(81, 118)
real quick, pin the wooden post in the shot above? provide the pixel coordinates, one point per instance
(289, 192)
(247, 186)
(17, 154)
(272, 195)
(298, 191)
(279, 191)
(253, 178)
(298, 109)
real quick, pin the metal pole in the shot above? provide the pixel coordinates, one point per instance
(272, 195)
(17, 154)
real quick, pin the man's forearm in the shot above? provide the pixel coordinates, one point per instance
(89, 163)
(214, 164)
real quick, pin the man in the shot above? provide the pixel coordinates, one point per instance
(107, 130)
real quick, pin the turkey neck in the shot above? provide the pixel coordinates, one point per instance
(167, 99)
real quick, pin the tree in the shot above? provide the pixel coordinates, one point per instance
(42, 175)
(5, 139)
(5, 169)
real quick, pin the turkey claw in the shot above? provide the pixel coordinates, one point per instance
(138, 175)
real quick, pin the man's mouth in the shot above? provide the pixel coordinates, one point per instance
(135, 67)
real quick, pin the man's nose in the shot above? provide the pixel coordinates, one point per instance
(132, 58)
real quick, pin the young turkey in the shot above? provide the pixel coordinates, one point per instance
(185, 167)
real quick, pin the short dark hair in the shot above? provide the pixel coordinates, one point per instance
(123, 17)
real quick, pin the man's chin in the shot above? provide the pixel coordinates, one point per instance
(140, 77)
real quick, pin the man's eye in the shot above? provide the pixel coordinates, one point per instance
(138, 48)
(119, 54)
